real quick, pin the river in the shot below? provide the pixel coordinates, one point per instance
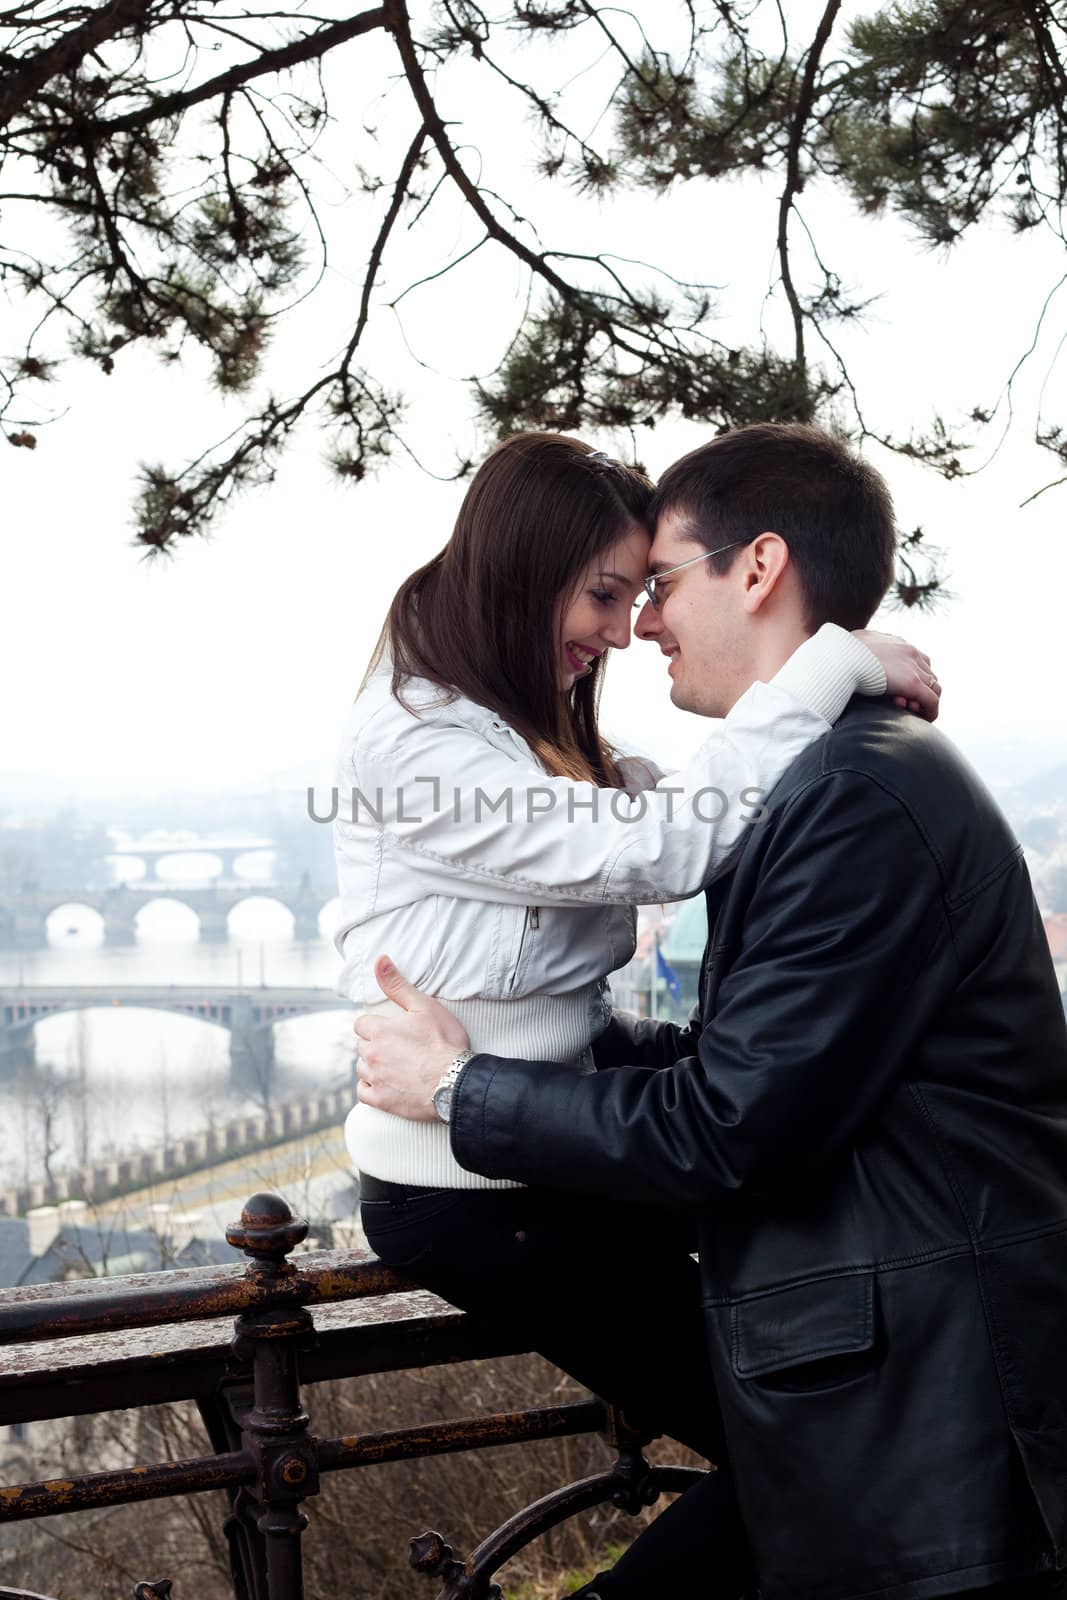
(149, 1076)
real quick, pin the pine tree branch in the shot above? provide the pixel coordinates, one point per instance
(1054, 73)
(311, 47)
(399, 25)
(805, 101)
(67, 52)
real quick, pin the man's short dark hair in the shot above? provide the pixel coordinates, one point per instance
(832, 509)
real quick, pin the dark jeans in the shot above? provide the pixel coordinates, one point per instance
(608, 1295)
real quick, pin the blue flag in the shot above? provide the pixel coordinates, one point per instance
(665, 971)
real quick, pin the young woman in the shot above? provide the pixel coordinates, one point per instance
(494, 844)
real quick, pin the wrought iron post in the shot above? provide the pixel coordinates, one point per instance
(274, 1431)
(222, 1414)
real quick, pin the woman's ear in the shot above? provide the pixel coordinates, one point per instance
(766, 561)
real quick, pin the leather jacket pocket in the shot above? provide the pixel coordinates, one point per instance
(808, 1337)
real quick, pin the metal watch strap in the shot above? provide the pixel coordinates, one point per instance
(442, 1095)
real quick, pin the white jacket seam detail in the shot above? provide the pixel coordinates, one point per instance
(513, 879)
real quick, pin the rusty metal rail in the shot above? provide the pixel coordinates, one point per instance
(207, 1292)
(248, 1389)
(234, 1468)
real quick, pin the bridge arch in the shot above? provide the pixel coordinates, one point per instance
(264, 857)
(212, 1012)
(309, 906)
(140, 860)
(197, 866)
(80, 917)
(280, 922)
(328, 918)
(168, 916)
(247, 1015)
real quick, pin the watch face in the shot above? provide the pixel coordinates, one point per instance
(442, 1102)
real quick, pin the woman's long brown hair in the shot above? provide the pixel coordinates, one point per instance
(479, 618)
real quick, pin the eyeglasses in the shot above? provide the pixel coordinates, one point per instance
(650, 583)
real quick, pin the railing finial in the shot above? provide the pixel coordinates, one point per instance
(267, 1230)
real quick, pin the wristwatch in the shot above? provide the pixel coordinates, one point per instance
(442, 1095)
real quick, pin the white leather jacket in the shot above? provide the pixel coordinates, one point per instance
(484, 878)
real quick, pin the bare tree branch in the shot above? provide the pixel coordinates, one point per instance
(407, 172)
(793, 179)
(399, 26)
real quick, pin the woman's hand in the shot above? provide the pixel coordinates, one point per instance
(402, 1059)
(910, 677)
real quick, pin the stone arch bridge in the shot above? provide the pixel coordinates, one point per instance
(240, 1011)
(24, 916)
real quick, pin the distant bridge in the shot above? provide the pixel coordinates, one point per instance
(239, 1010)
(24, 916)
(151, 852)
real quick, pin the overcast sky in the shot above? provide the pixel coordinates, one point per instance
(239, 657)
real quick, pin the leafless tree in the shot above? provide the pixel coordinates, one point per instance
(41, 1090)
(78, 1092)
(259, 1063)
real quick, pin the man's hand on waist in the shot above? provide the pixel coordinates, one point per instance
(402, 1058)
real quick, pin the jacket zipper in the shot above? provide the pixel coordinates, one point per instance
(531, 919)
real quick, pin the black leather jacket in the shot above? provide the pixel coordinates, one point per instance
(869, 1116)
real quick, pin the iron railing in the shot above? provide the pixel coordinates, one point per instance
(248, 1390)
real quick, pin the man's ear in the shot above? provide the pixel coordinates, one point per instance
(766, 562)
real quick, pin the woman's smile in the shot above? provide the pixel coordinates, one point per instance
(596, 615)
(581, 656)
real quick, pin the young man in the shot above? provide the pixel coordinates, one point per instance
(868, 1116)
